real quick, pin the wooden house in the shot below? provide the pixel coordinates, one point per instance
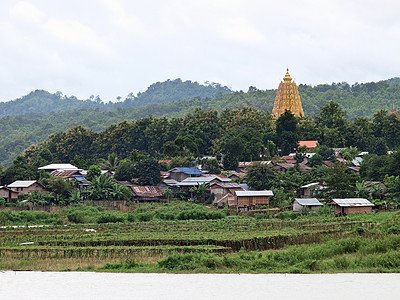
(310, 189)
(147, 193)
(349, 206)
(312, 203)
(235, 175)
(222, 189)
(8, 194)
(181, 173)
(248, 200)
(27, 186)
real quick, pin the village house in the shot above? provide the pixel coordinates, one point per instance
(311, 203)
(8, 194)
(147, 193)
(27, 186)
(284, 167)
(181, 173)
(248, 200)
(222, 190)
(349, 206)
(53, 167)
(235, 175)
(310, 189)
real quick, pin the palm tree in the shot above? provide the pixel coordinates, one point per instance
(111, 164)
(199, 191)
(101, 187)
(120, 192)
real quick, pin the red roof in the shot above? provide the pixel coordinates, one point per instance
(308, 144)
(64, 173)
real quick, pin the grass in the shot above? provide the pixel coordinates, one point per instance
(189, 238)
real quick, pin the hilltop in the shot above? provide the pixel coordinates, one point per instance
(30, 119)
(43, 102)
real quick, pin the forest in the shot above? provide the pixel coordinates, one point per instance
(41, 114)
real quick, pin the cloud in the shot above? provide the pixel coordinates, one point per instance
(76, 34)
(127, 21)
(239, 30)
(27, 12)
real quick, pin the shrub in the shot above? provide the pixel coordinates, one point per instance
(189, 261)
(109, 218)
(145, 216)
(82, 214)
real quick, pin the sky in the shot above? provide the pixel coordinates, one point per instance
(111, 48)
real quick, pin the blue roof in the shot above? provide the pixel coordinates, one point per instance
(80, 178)
(189, 171)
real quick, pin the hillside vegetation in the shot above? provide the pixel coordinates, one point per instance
(46, 113)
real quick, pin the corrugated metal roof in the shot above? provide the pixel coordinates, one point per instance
(147, 191)
(63, 173)
(59, 167)
(170, 181)
(193, 181)
(241, 175)
(190, 171)
(21, 183)
(346, 202)
(253, 193)
(198, 179)
(309, 185)
(80, 178)
(308, 201)
(227, 185)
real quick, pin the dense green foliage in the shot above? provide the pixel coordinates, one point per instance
(34, 126)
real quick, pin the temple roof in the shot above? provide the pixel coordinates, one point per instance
(287, 76)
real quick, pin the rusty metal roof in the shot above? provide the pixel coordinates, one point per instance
(64, 173)
(147, 191)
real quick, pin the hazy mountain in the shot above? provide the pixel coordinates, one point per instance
(41, 101)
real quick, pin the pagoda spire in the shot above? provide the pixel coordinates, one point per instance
(287, 98)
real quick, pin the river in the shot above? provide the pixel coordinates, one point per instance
(87, 285)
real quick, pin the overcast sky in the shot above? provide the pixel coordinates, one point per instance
(113, 47)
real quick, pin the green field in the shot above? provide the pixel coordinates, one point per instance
(183, 237)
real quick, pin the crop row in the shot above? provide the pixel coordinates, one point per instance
(102, 252)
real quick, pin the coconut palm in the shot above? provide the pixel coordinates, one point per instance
(120, 192)
(111, 164)
(101, 188)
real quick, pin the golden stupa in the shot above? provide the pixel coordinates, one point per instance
(287, 98)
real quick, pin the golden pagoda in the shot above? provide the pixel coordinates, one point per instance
(287, 98)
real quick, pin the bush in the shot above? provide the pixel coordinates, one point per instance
(110, 218)
(199, 214)
(287, 215)
(178, 261)
(8, 217)
(394, 229)
(145, 216)
(165, 215)
(82, 214)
